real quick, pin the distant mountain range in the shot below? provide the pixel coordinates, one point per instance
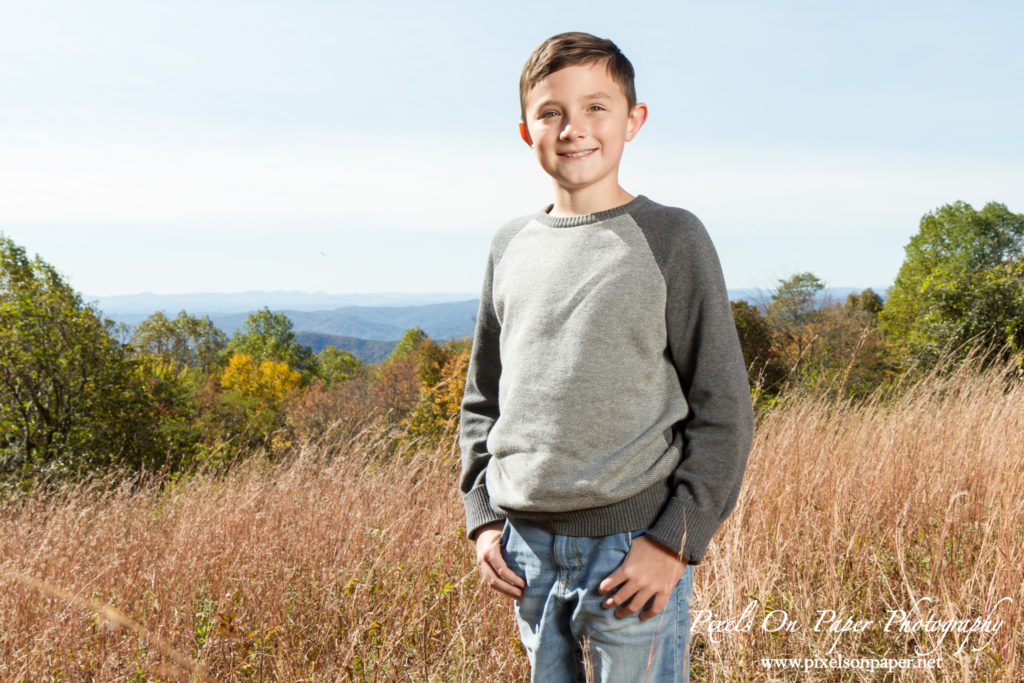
(237, 302)
(367, 325)
(366, 350)
(368, 330)
(379, 323)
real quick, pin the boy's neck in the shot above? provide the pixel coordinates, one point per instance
(591, 200)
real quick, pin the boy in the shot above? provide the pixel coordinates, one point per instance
(607, 419)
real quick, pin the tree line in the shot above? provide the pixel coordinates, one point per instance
(80, 394)
(959, 291)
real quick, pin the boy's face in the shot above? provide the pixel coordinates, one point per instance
(577, 122)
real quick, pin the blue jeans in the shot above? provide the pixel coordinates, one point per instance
(561, 619)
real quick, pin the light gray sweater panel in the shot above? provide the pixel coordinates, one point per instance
(581, 311)
(594, 335)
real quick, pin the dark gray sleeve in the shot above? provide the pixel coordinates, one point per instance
(480, 409)
(715, 437)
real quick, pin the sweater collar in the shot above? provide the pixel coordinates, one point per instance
(545, 218)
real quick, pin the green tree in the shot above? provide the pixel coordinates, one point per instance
(407, 345)
(794, 301)
(337, 365)
(188, 341)
(266, 335)
(795, 318)
(960, 284)
(71, 398)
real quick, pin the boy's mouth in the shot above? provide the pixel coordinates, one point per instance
(577, 155)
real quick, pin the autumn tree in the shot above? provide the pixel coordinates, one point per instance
(441, 370)
(396, 384)
(868, 301)
(338, 403)
(268, 381)
(825, 346)
(266, 335)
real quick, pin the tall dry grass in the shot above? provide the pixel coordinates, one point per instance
(339, 565)
(865, 509)
(352, 569)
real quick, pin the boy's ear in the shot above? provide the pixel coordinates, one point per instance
(524, 133)
(636, 120)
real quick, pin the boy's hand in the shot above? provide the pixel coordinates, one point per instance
(650, 571)
(492, 565)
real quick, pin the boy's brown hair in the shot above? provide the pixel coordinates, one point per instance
(572, 49)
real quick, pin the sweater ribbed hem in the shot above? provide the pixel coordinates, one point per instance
(638, 512)
(674, 524)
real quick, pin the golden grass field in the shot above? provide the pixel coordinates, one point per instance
(337, 565)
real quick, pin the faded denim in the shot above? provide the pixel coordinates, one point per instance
(560, 610)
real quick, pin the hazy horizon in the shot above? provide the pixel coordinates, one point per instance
(342, 147)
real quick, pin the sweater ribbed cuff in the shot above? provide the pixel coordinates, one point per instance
(479, 511)
(684, 527)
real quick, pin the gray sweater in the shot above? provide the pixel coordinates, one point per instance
(606, 390)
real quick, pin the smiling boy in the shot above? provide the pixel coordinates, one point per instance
(606, 420)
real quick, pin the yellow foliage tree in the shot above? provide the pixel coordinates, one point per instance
(270, 382)
(441, 371)
(448, 394)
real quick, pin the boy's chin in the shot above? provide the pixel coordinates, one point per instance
(603, 186)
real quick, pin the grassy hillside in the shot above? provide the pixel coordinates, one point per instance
(338, 565)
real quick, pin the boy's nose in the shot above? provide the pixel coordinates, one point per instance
(572, 128)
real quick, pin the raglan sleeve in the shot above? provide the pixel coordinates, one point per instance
(718, 430)
(480, 409)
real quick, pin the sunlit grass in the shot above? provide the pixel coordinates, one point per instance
(335, 564)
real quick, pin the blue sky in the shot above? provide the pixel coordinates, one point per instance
(363, 147)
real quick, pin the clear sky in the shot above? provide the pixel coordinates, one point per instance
(343, 147)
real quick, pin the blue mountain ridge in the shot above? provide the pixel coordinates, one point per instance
(367, 331)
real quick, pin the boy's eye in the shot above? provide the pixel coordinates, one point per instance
(548, 114)
(596, 107)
